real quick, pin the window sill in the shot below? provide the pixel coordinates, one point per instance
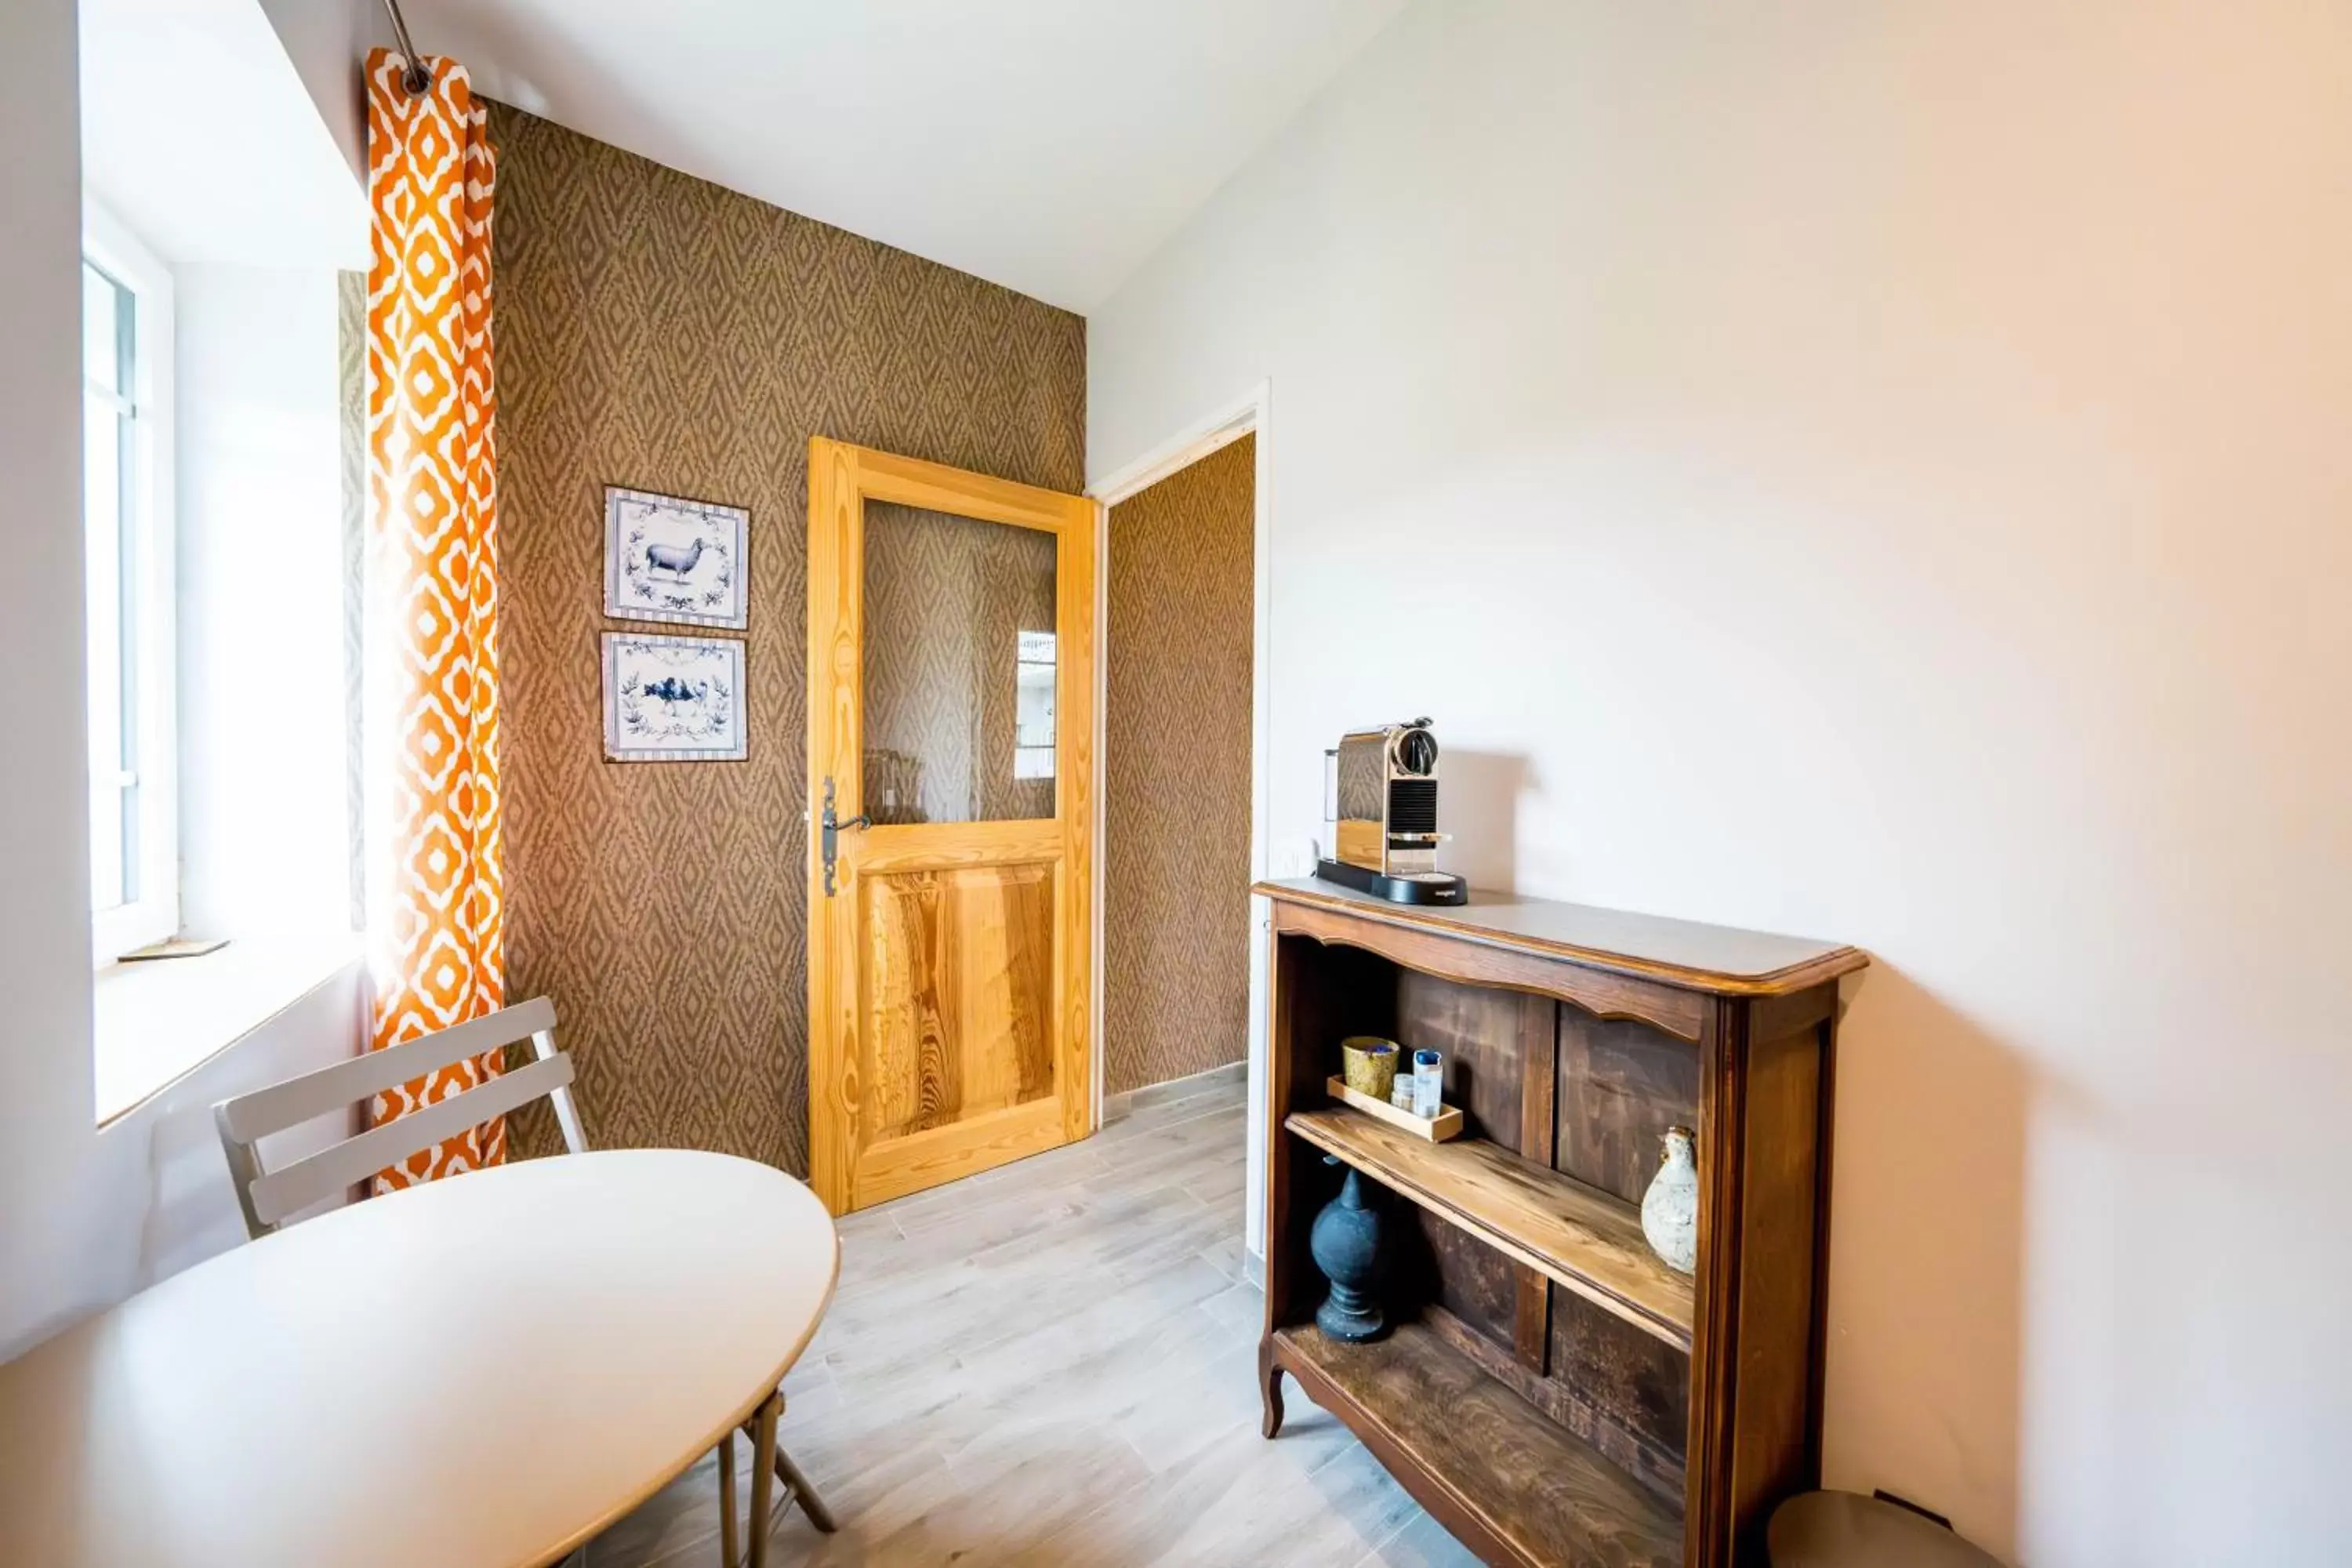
(157, 1022)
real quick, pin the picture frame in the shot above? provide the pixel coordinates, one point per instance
(670, 559)
(674, 699)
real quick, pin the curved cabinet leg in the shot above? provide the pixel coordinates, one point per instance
(1269, 1378)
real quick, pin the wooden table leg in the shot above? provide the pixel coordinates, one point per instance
(763, 1474)
(810, 1504)
(727, 1558)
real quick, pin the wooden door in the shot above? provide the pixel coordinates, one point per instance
(951, 658)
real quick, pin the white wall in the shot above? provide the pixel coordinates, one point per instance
(45, 1212)
(172, 1202)
(198, 121)
(265, 812)
(1882, 473)
(326, 40)
(86, 1216)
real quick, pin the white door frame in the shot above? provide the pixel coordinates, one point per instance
(1246, 415)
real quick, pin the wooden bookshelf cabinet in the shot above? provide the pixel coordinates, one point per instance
(1551, 1391)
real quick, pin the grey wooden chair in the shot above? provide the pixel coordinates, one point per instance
(270, 1199)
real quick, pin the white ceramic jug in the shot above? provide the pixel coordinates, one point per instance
(1670, 1208)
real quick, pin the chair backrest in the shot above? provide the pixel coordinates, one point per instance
(268, 1197)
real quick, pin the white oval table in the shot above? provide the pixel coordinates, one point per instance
(487, 1370)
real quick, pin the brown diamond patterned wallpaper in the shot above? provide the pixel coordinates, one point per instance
(1176, 774)
(659, 332)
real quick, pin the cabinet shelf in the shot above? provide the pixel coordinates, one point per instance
(1581, 1237)
(1542, 1495)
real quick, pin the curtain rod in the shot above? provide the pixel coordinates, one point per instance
(416, 79)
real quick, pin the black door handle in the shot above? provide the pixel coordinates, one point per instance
(829, 828)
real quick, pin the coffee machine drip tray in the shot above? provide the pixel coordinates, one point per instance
(1415, 888)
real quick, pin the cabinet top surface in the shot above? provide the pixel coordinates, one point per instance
(1721, 959)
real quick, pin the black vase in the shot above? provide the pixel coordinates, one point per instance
(1346, 1246)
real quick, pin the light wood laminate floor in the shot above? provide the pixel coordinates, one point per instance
(1055, 1362)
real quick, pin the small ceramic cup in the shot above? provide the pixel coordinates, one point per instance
(1368, 1064)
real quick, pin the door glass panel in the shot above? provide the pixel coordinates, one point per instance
(960, 668)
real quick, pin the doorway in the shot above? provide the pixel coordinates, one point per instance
(1185, 612)
(1179, 622)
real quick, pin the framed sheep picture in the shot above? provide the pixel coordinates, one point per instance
(668, 559)
(673, 699)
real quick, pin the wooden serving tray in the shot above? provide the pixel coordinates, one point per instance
(1445, 1126)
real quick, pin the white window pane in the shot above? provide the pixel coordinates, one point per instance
(1032, 762)
(103, 557)
(102, 547)
(127, 487)
(105, 851)
(104, 308)
(106, 448)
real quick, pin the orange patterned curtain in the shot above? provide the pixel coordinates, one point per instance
(431, 713)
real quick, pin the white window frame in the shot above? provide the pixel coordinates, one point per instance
(110, 247)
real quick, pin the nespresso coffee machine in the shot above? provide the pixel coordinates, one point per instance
(1380, 801)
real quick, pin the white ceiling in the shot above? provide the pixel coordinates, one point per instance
(1049, 145)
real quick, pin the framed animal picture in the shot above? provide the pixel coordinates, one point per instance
(673, 699)
(666, 559)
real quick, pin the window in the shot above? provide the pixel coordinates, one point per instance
(127, 551)
(1033, 707)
